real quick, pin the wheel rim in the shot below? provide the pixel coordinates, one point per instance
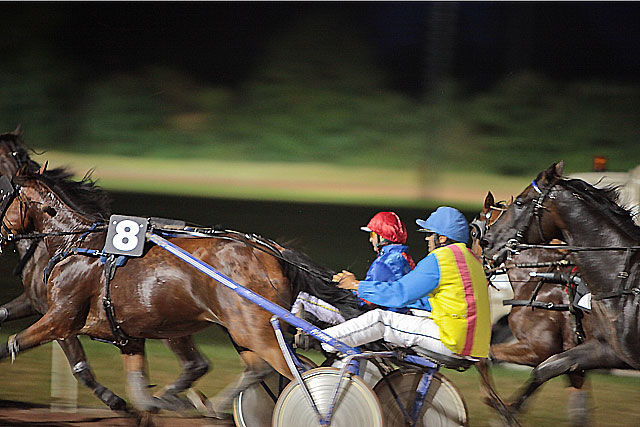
(443, 405)
(371, 374)
(357, 406)
(253, 407)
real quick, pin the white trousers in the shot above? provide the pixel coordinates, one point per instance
(400, 329)
(319, 308)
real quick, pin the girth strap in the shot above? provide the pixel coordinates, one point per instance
(111, 262)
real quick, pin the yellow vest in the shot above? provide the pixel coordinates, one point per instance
(460, 303)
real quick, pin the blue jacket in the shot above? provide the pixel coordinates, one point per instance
(409, 291)
(389, 266)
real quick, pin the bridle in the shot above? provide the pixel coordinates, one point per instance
(479, 228)
(8, 192)
(536, 209)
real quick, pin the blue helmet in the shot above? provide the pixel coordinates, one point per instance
(448, 222)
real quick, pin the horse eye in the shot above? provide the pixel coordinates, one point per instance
(519, 203)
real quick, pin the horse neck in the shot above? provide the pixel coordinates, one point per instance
(585, 227)
(65, 219)
(33, 266)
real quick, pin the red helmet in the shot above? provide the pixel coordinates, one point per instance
(389, 226)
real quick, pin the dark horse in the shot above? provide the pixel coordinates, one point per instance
(542, 324)
(603, 241)
(157, 295)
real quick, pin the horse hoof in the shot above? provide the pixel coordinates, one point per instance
(145, 419)
(115, 403)
(173, 402)
(201, 403)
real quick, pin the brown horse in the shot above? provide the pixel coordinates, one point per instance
(34, 258)
(542, 326)
(604, 245)
(157, 295)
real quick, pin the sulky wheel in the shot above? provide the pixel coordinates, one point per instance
(370, 372)
(443, 405)
(253, 407)
(357, 405)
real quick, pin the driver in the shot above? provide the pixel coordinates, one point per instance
(450, 282)
(387, 235)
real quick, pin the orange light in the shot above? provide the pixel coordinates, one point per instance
(599, 163)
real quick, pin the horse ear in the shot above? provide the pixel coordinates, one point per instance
(552, 172)
(489, 201)
(18, 130)
(511, 200)
(43, 168)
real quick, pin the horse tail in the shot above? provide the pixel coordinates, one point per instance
(309, 277)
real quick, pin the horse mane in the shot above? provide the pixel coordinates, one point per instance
(316, 280)
(83, 196)
(605, 200)
(14, 143)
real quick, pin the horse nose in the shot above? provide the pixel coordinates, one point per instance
(484, 243)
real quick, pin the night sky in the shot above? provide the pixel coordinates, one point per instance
(221, 42)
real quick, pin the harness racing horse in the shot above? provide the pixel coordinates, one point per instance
(33, 260)
(542, 319)
(603, 241)
(156, 295)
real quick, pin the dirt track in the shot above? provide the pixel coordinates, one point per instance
(26, 414)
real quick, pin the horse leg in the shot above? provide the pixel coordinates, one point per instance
(194, 366)
(257, 369)
(48, 328)
(137, 387)
(492, 398)
(259, 365)
(520, 353)
(578, 406)
(593, 354)
(18, 308)
(83, 373)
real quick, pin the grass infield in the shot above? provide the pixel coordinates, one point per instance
(302, 182)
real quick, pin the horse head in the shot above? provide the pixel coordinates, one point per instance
(48, 202)
(528, 219)
(15, 204)
(489, 214)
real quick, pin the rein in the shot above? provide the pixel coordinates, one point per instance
(505, 268)
(16, 237)
(249, 240)
(525, 246)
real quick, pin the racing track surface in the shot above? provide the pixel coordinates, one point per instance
(26, 414)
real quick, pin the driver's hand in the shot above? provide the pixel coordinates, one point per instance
(346, 280)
